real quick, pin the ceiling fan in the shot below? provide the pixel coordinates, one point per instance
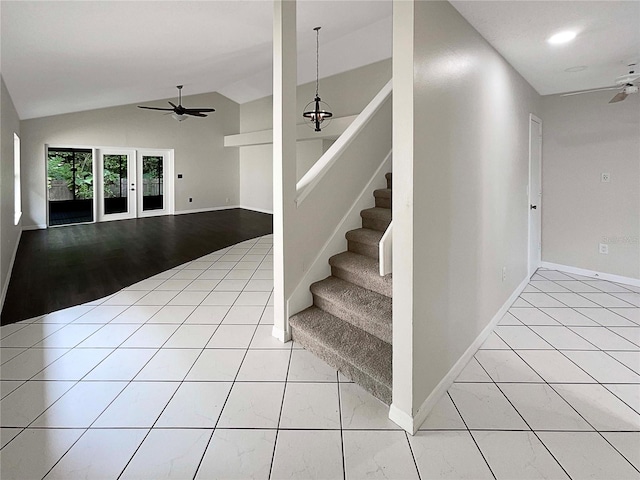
(178, 111)
(626, 84)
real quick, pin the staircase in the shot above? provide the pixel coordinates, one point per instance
(349, 324)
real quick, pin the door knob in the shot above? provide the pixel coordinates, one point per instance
(533, 207)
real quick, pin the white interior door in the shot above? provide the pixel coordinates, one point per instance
(116, 184)
(535, 193)
(154, 185)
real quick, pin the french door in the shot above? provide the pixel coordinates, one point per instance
(117, 198)
(132, 184)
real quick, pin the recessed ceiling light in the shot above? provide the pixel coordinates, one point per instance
(562, 37)
(578, 68)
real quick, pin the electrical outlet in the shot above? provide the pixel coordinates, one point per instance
(604, 249)
(504, 273)
(227, 200)
(190, 199)
(605, 177)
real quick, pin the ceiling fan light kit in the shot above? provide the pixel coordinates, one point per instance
(178, 111)
(317, 112)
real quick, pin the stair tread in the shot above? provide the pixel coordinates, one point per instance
(376, 213)
(364, 235)
(364, 268)
(366, 352)
(363, 308)
(382, 193)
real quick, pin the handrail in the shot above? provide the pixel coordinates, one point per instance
(385, 248)
(310, 179)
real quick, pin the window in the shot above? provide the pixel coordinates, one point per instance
(16, 180)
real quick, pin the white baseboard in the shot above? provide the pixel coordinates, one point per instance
(5, 285)
(208, 209)
(259, 210)
(283, 335)
(591, 273)
(402, 419)
(40, 226)
(412, 424)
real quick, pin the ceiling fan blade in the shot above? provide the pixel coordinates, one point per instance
(619, 97)
(157, 108)
(199, 110)
(589, 91)
(173, 104)
(195, 114)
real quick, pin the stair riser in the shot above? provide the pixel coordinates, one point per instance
(353, 318)
(363, 249)
(373, 386)
(372, 283)
(375, 224)
(383, 202)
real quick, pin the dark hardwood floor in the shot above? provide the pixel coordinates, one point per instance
(61, 267)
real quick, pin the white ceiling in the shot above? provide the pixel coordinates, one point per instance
(59, 57)
(608, 38)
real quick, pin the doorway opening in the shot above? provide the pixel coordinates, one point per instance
(535, 194)
(70, 185)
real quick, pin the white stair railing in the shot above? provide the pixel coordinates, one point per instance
(385, 247)
(308, 182)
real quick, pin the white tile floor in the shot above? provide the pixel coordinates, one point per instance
(179, 377)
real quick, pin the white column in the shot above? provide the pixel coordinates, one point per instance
(401, 410)
(284, 157)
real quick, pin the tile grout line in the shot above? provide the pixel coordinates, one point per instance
(284, 392)
(344, 457)
(522, 416)
(471, 435)
(224, 404)
(413, 457)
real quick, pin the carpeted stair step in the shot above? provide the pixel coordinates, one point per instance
(364, 241)
(362, 308)
(388, 177)
(383, 197)
(363, 358)
(376, 218)
(362, 271)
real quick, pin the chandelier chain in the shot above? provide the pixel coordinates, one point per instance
(317, 59)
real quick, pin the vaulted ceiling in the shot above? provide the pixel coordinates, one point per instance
(66, 56)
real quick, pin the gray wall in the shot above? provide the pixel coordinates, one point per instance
(9, 233)
(210, 171)
(347, 93)
(462, 213)
(583, 137)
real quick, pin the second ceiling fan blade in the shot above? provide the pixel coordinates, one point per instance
(589, 91)
(157, 108)
(195, 114)
(199, 110)
(619, 97)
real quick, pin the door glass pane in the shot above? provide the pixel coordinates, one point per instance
(115, 183)
(70, 185)
(152, 183)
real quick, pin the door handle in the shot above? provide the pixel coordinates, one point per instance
(533, 207)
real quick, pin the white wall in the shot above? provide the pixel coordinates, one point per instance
(9, 233)
(210, 171)
(347, 94)
(460, 203)
(256, 171)
(583, 137)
